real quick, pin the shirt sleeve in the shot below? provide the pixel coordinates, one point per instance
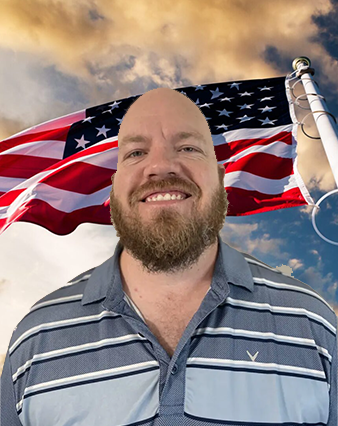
(8, 413)
(333, 420)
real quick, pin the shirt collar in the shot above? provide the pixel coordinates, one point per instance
(105, 279)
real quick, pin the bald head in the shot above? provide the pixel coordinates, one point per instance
(169, 104)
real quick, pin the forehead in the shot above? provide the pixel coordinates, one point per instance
(174, 137)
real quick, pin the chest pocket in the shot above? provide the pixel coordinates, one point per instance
(251, 391)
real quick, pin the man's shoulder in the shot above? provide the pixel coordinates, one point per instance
(64, 302)
(290, 290)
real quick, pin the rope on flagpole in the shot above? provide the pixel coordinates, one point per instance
(325, 122)
(314, 211)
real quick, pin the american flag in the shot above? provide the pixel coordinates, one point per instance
(58, 174)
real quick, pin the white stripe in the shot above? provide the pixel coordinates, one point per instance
(240, 134)
(44, 149)
(8, 183)
(281, 309)
(84, 277)
(279, 149)
(263, 336)
(55, 324)
(291, 287)
(60, 199)
(74, 379)
(75, 350)
(72, 117)
(260, 264)
(251, 182)
(255, 365)
(55, 301)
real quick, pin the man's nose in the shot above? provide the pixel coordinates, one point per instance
(162, 160)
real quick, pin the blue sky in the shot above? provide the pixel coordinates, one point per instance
(68, 56)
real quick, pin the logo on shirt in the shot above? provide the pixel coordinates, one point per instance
(253, 358)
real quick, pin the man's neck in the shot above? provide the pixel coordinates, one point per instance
(139, 284)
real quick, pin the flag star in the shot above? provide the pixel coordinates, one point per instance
(197, 102)
(120, 120)
(114, 105)
(267, 98)
(216, 93)
(227, 99)
(244, 118)
(234, 85)
(265, 88)
(88, 119)
(246, 94)
(267, 121)
(81, 142)
(245, 106)
(207, 105)
(267, 109)
(207, 118)
(199, 87)
(184, 93)
(102, 131)
(222, 126)
(224, 112)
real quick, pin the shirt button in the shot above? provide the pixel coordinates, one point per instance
(174, 370)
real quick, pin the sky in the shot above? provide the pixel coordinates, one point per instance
(58, 57)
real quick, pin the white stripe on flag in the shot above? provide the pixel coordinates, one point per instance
(245, 180)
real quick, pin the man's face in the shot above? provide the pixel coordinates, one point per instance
(167, 236)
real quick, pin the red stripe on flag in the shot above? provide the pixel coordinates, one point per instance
(80, 177)
(243, 202)
(56, 221)
(6, 198)
(23, 166)
(263, 165)
(228, 149)
(59, 134)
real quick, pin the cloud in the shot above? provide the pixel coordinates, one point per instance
(239, 236)
(295, 264)
(325, 284)
(118, 49)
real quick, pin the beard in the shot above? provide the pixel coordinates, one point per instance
(169, 241)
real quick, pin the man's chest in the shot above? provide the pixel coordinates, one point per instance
(169, 322)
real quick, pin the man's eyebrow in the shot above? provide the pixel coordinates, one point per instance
(176, 137)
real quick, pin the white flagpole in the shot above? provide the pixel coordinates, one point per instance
(326, 126)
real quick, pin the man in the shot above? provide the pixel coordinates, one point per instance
(177, 328)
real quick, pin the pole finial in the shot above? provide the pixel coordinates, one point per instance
(302, 65)
(301, 60)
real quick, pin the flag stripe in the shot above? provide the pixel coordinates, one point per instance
(72, 178)
(242, 202)
(58, 222)
(18, 166)
(41, 149)
(274, 167)
(59, 134)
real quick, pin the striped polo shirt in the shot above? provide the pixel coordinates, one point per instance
(260, 350)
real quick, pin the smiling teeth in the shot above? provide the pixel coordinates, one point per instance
(167, 197)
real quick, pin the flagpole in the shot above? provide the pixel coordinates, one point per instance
(326, 126)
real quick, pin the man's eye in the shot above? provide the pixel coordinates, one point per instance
(132, 153)
(186, 147)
